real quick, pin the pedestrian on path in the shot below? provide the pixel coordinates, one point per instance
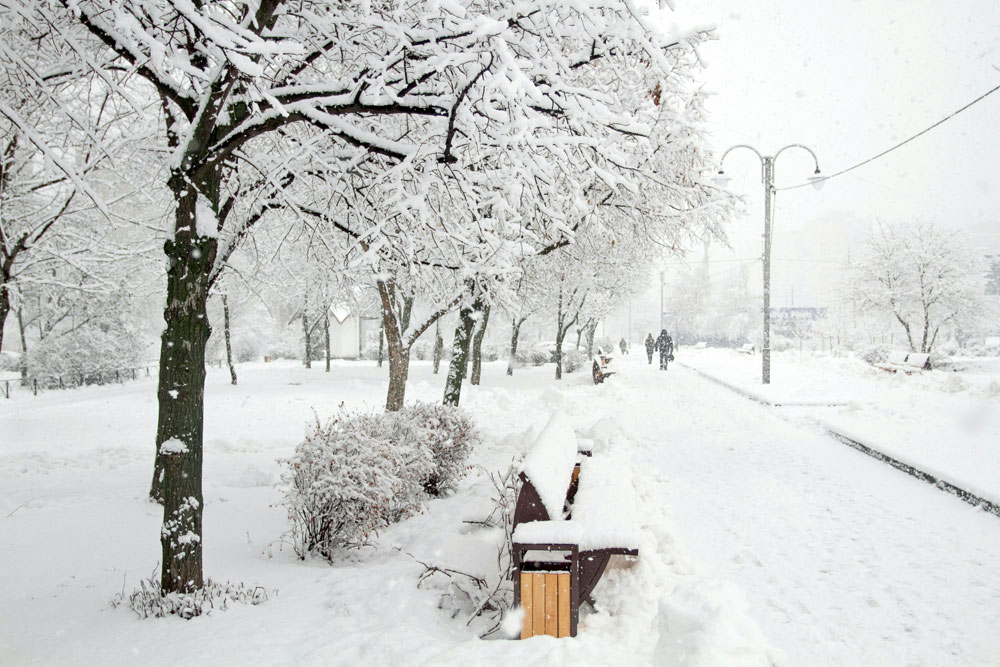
(623, 345)
(665, 344)
(650, 345)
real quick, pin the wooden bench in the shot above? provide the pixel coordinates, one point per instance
(748, 348)
(574, 511)
(901, 361)
(602, 368)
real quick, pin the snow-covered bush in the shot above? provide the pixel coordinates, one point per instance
(875, 354)
(149, 600)
(87, 352)
(359, 473)
(450, 435)
(573, 360)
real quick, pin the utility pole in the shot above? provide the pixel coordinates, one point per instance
(767, 177)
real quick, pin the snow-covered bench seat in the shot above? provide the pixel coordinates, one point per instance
(571, 516)
(748, 348)
(906, 362)
(603, 367)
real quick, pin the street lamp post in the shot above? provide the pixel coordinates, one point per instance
(767, 178)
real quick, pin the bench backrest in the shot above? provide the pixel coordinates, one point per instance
(897, 357)
(547, 472)
(919, 360)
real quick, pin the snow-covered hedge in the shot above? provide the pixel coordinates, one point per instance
(358, 473)
(450, 435)
(86, 351)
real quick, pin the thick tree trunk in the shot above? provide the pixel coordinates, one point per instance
(438, 347)
(4, 311)
(229, 346)
(381, 343)
(307, 362)
(399, 353)
(460, 354)
(326, 337)
(514, 335)
(560, 335)
(24, 346)
(180, 392)
(591, 330)
(477, 345)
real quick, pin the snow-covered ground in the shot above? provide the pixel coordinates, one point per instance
(944, 422)
(763, 540)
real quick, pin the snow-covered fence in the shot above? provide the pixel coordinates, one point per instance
(34, 384)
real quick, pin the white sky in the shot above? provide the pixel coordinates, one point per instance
(850, 78)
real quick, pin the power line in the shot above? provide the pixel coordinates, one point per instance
(902, 143)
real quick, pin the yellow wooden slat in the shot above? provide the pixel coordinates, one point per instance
(551, 608)
(526, 625)
(538, 603)
(564, 612)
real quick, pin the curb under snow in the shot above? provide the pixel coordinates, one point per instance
(909, 469)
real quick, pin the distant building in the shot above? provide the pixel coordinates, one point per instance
(793, 321)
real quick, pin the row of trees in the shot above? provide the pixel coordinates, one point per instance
(447, 155)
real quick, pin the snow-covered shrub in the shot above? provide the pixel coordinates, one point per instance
(573, 360)
(421, 350)
(359, 473)
(347, 480)
(88, 352)
(149, 600)
(875, 354)
(450, 435)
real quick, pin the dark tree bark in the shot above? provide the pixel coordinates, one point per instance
(229, 347)
(514, 335)
(307, 362)
(460, 353)
(326, 336)
(562, 328)
(4, 309)
(381, 342)
(180, 392)
(438, 347)
(477, 345)
(399, 353)
(590, 329)
(24, 346)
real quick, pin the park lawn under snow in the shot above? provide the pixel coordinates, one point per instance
(762, 539)
(944, 422)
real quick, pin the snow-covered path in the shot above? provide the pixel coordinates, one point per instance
(843, 559)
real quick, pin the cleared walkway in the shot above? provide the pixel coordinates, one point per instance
(844, 560)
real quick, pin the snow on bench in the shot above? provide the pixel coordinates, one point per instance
(748, 348)
(570, 518)
(907, 362)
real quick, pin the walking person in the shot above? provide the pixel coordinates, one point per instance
(650, 345)
(623, 346)
(665, 344)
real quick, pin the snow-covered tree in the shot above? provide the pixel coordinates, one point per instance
(926, 278)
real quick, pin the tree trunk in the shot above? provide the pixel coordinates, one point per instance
(229, 347)
(24, 346)
(181, 391)
(514, 335)
(460, 354)
(308, 339)
(438, 347)
(4, 310)
(381, 343)
(591, 330)
(560, 335)
(399, 353)
(477, 345)
(326, 337)
(579, 335)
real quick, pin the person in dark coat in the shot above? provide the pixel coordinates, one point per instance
(665, 344)
(650, 345)
(623, 346)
